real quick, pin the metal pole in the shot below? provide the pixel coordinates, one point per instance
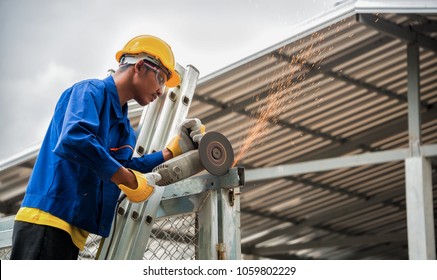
(414, 115)
(418, 177)
(229, 243)
(420, 216)
(207, 228)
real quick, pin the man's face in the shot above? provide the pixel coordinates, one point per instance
(149, 87)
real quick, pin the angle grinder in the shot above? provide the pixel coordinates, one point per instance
(215, 154)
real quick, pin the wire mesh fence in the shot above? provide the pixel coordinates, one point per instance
(5, 253)
(91, 248)
(173, 238)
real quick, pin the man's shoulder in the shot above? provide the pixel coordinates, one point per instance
(92, 83)
(92, 87)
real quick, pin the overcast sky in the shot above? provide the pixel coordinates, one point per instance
(48, 45)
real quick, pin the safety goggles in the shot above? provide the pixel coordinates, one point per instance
(160, 75)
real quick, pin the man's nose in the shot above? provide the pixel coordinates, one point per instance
(160, 91)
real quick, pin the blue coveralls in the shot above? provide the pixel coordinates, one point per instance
(88, 140)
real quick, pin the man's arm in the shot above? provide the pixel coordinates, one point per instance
(167, 154)
(77, 140)
(125, 177)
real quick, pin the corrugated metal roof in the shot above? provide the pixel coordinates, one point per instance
(338, 87)
(337, 90)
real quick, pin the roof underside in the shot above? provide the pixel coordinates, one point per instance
(341, 90)
(332, 91)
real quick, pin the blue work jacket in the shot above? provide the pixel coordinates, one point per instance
(88, 140)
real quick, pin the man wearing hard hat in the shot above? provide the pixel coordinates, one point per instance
(86, 156)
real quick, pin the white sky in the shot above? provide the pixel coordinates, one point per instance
(48, 45)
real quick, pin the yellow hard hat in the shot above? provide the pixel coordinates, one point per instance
(156, 48)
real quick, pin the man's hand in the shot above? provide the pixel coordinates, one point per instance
(146, 184)
(190, 134)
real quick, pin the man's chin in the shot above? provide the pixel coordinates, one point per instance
(144, 102)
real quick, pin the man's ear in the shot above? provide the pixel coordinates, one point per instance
(138, 66)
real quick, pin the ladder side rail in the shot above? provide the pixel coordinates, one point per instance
(150, 116)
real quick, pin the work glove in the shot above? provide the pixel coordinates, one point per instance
(146, 185)
(190, 133)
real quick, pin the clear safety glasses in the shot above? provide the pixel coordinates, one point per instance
(161, 77)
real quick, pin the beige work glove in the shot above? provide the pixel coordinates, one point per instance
(146, 186)
(190, 133)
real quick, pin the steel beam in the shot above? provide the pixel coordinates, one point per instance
(405, 34)
(281, 171)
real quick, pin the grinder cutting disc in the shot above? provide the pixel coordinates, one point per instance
(216, 153)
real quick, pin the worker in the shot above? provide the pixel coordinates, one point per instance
(86, 156)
